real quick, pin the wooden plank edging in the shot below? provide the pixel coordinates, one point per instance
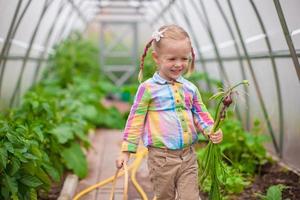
(71, 182)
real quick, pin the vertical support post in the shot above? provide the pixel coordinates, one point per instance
(287, 36)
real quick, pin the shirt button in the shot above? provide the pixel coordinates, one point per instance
(177, 101)
(176, 91)
(182, 120)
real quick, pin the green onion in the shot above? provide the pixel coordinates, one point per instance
(213, 165)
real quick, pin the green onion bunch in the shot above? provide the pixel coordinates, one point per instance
(212, 165)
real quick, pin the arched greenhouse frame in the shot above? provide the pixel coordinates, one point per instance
(69, 74)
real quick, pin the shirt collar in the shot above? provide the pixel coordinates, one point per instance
(157, 78)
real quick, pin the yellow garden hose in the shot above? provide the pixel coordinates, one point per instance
(138, 159)
(134, 166)
(125, 192)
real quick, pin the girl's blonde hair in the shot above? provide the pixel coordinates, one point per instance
(169, 31)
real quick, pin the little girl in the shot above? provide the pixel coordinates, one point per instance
(166, 113)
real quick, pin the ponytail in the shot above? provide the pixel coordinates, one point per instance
(140, 76)
(192, 64)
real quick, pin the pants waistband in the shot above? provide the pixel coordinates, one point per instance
(176, 152)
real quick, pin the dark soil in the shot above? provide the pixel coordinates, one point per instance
(53, 194)
(270, 174)
(54, 191)
(273, 174)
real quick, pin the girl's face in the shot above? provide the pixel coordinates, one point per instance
(172, 58)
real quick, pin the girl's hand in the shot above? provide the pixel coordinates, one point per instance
(124, 157)
(216, 137)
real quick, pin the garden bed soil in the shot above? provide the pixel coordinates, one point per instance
(53, 193)
(270, 174)
(274, 174)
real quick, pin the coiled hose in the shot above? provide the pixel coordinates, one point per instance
(134, 166)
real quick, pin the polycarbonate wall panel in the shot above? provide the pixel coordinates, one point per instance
(43, 24)
(199, 18)
(271, 21)
(20, 45)
(263, 73)
(64, 23)
(290, 90)
(6, 8)
(9, 82)
(254, 40)
(233, 70)
(291, 12)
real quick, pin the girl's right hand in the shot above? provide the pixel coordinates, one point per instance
(124, 157)
(216, 137)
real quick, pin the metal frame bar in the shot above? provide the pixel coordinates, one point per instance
(72, 20)
(118, 40)
(76, 8)
(172, 16)
(16, 91)
(62, 28)
(259, 94)
(200, 56)
(109, 69)
(163, 18)
(241, 64)
(208, 27)
(162, 12)
(287, 36)
(263, 55)
(275, 73)
(11, 34)
(21, 57)
(10, 31)
(47, 41)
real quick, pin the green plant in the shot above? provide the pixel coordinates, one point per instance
(244, 149)
(73, 57)
(233, 181)
(274, 192)
(244, 153)
(44, 136)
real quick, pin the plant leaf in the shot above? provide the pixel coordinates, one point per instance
(63, 133)
(275, 192)
(216, 95)
(11, 183)
(15, 166)
(39, 133)
(43, 176)
(33, 194)
(75, 160)
(3, 158)
(52, 172)
(31, 181)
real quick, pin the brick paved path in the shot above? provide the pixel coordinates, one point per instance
(101, 160)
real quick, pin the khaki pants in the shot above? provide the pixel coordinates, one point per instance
(174, 173)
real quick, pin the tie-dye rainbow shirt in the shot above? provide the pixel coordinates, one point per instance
(166, 115)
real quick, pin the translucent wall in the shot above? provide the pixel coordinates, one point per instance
(28, 31)
(248, 38)
(243, 37)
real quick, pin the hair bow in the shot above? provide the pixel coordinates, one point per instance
(157, 35)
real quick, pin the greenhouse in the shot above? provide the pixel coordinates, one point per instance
(149, 99)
